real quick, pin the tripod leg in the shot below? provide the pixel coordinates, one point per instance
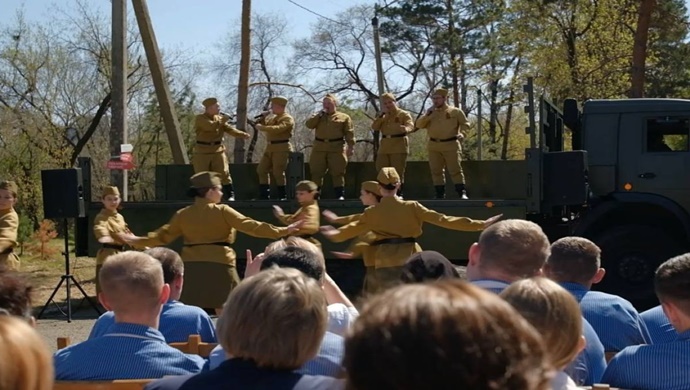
(86, 296)
(50, 299)
(69, 300)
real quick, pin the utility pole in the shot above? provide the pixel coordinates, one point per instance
(243, 85)
(118, 107)
(165, 101)
(379, 74)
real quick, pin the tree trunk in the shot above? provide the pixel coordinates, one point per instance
(243, 85)
(453, 54)
(509, 114)
(639, 55)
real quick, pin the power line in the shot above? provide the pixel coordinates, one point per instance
(317, 14)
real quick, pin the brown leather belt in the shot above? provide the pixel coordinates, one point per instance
(444, 139)
(395, 136)
(282, 141)
(209, 143)
(305, 236)
(113, 246)
(210, 243)
(403, 240)
(7, 251)
(329, 139)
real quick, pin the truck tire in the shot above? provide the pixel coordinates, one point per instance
(631, 254)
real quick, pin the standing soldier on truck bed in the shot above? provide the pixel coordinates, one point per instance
(209, 151)
(445, 126)
(394, 124)
(278, 130)
(332, 130)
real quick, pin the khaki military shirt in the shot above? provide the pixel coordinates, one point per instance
(210, 130)
(278, 128)
(395, 218)
(333, 129)
(444, 123)
(9, 224)
(109, 224)
(361, 247)
(390, 124)
(310, 214)
(205, 222)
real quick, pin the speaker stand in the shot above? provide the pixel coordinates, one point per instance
(68, 279)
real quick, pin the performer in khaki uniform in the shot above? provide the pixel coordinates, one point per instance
(278, 129)
(394, 124)
(209, 151)
(9, 224)
(333, 130)
(107, 227)
(445, 126)
(208, 230)
(307, 194)
(397, 224)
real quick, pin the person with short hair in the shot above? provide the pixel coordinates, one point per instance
(132, 348)
(575, 263)
(25, 360)
(307, 194)
(427, 266)
(277, 125)
(555, 314)
(663, 366)
(177, 320)
(9, 225)
(443, 335)
(15, 296)
(271, 324)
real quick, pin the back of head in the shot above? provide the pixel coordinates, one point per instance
(672, 282)
(15, 294)
(573, 260)
(553, 311)
(171, 262)
(25, 361)
(513, 247)
(276, 318)
(427, 265)
(302, 259)
(131, 281)
(443, 335)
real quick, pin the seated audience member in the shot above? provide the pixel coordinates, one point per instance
(555, 314)
(15, 296)
(131, 348)
(658, 325)
(575, 264)
(662, 366)
(515, 249)
(443, 335)
(271, 324)
(427, 266)
(177, 320)
(25, 360)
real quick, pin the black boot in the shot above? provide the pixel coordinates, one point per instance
(339, 193)
(282, 193)
(460, 189)
(440, 192)
(229, 192)
(400, 191)
(264, 191)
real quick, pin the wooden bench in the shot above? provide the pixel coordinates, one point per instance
(123, 384)
(195, 346)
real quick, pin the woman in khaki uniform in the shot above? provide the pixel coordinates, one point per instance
(107, 227)
(208, 229)
(9, 224)
(370, 196)
(307, 194)
(397, 224)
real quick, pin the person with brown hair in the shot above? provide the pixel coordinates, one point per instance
(15, 296)
(25, 360)
(307, 194)
(555, 314)
(271, 324)
(9, 225)
(443, 335)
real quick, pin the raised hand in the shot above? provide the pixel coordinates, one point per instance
(329, 215)
(253, 263)
(277, 211)
(295, 226)
(328, 231)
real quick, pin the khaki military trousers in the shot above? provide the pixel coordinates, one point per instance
(440, 161)
(214, 162)
(10, 261)
(275, 163)
(385, 278)
(395, 160)
(333, 162)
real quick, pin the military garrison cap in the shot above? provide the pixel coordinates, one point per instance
(9, 186)
(388, 96)
(282, 100)
(205, 179)
(371, 186)
(306, 185)
(441, 92)
(110, 190)
(208, 102)
(388, 176)
(332, 98)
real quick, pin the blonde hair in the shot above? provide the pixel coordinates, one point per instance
(515, 247)
(277, 318)
(299, 243)
(131, 281)
(553, 311)
(25, 361)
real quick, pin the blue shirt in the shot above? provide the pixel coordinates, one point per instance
(125, 351)
(663, 366)
(327, 362)
(590, 364)
(660, 328)
(614, 319)
(177, 322)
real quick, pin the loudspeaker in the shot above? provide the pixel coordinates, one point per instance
(565, 178)
(63, 193)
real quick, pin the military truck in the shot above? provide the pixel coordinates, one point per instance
(625, 184)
